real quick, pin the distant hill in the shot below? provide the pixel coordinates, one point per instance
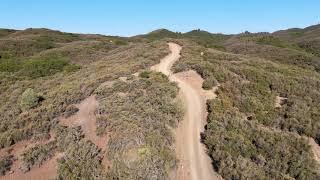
(307, 38)
(5, 32)
(207, 39)
(297, 33)
(160, 34)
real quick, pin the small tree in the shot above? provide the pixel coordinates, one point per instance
(29, 99)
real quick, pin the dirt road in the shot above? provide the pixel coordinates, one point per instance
(195, 164)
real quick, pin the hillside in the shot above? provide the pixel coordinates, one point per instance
(45, 75)
(88, 106)
(307, 38)
(249, 135)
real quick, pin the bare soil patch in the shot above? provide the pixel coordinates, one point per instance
(86, 118)
(280, 101)
(48, 170)
(16, 150)
(315, 149)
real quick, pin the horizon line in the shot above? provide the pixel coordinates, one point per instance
(145, 33)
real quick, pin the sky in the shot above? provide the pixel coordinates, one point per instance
(132, 17)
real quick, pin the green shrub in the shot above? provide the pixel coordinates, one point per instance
(9, 65)
(38, 67)
(82, 159)
(296, 34)
(120, 42)
(48, 41)
(145, 74)
(35, 156)
(311, 47)
(41, 67)
(161, 34)
(29, 99)
(207, 39)
(270, 40)
(44, 43)
(141, 141)
(5, 164)
(23, 48)
(209, 83)
(66, 137)
(5, 32)
(71, 68)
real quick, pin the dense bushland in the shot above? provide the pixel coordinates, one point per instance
(36, 155)
(44, 73)
(139, 114)
(37, 67)
(81, 157)
(5, 32)
(55, 85)
(201, 37)
(247, 136)
(5, 164)
(273, 49)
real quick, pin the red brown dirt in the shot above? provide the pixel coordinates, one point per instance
(45, 171)
(48, 170)
(86, 118)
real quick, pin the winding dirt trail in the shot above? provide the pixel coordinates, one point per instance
(194, 164)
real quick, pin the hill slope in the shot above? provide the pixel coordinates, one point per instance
(42, 84)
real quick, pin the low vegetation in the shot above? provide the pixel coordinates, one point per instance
(81, 157)
(38, 88)
(5, 164)
(247, 136)
(161, 34)
(37, 67)
(201, 37)
(45, 73)
(81, 160)
(139, 114)
(207, 39)
(29, 99)
(273, 41)
(36, 155)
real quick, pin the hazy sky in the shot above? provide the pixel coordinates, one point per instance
(131, 17)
